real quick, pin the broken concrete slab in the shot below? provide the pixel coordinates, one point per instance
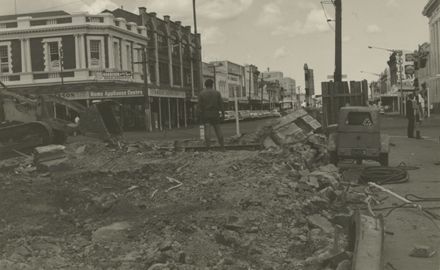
(111, 233)
(57, 165)
(321, 222)
(422, 251)
(80, 150)
(268, 143)
(49, 149)
(48, 153)
(289, 134)
(290, 118)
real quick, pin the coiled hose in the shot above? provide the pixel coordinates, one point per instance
(384, 175)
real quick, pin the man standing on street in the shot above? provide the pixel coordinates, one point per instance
(210, 107)
(410, 115)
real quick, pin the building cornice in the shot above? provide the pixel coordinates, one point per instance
(429, 8)
(84, 29)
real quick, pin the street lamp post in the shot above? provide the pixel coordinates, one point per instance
(399, 53)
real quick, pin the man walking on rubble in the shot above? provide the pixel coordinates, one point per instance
(210, 107)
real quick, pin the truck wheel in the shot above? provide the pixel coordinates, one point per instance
(334, 158)
(383, 159)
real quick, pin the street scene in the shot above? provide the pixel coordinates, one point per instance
(219, 134)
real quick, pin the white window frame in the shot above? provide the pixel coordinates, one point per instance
(9, 50)
(102, 53)
(46, 41)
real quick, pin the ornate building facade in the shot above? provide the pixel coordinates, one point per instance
(86, 57)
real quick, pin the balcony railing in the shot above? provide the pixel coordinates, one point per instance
(10, 77)
(70, 75)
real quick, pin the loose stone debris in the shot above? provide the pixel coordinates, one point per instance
(138, 207)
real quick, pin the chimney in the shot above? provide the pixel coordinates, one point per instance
(142, 10)
(179, 23)
(188, 28)
(143, 15)
(166, 18)
(154, 14)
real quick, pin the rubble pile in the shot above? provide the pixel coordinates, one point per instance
(141, 208)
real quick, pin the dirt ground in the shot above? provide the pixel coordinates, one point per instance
(140, 207)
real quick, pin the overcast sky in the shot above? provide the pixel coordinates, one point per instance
(280, 34)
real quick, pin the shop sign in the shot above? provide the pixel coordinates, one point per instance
(116, 93)
(234, 78)
(234, 68)
(74, 95)
(136, 93)
(113, 75)
(166, 93)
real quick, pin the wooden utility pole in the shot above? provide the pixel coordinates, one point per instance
(338, 41)
(250, 83)
(195, 16)
(146, 103)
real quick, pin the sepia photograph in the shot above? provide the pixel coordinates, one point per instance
(219, 134)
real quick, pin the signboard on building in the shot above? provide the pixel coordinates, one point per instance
(116, 93)
(113, 75)
(166, 93)
(74, 95)
(406, 62)
(121, 93)
(234, 68)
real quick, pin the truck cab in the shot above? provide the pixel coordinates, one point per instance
(358, 136)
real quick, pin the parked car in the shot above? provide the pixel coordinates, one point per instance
(229, 115)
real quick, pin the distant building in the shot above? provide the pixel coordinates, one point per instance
(208, 72)
(229, 81)
(309, 79)
(251, 82)
(274, 87)
(289, 92)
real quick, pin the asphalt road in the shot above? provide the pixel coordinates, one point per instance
(408, 227)
(392, 125)
(228, 129)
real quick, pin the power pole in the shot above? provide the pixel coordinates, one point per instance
(250, 83)
(146, 103)
(194, 16)
(338, 41)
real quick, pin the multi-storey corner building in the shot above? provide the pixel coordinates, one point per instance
(86, 57)
(431, 78)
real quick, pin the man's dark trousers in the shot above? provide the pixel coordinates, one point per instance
(215, 123)
(411, 123)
